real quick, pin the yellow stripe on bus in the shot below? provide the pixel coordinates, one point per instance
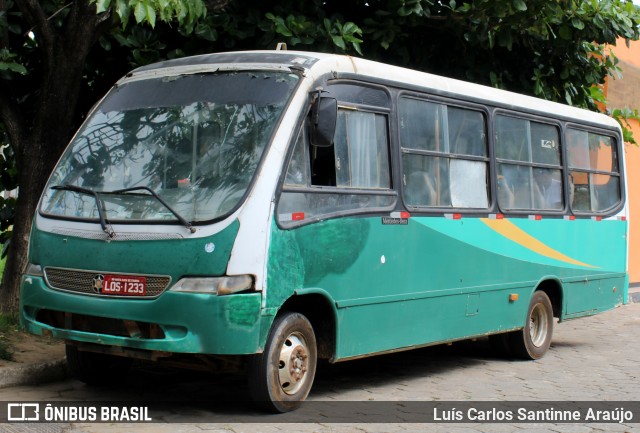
(512, 232)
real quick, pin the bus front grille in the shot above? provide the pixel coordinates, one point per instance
(73, 280)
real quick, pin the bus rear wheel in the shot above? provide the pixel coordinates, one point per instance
(280, 378)
(97, 368)
(533, 341)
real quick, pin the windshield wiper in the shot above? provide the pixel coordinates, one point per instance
(184, 222)
(99, 204)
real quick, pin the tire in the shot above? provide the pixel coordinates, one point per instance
(97, 368)
(535, 338)
(280, 378)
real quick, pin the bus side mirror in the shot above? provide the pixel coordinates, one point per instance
(323, 121)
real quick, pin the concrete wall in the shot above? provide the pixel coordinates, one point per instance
(625, 92)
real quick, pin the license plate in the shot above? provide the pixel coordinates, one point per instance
(124, 285)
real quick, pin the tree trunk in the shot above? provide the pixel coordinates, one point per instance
(25, 207)
(64, 52)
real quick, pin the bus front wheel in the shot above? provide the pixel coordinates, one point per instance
(280, 378)
(533, 341)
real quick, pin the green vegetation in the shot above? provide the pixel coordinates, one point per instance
(555, 50)
(8, 325)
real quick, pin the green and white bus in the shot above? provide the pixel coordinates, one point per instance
(266, 209)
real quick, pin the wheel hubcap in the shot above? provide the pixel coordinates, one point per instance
(293, 363)
(538, 325)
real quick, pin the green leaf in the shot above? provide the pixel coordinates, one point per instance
(404, 11)
(206, 32)
(123, 11)
(151, 15)
(327, 25)
(567, 97)
(356, 46)
(350, 28)
(105, 43)
(140, 12)
(577, 23)
(520, 5)
(14, 67)
(102, 5)
(494, 79)
(565, 32)
(597, 94)
(337, 40)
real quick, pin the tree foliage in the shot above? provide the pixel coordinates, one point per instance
(58, 57)
(557, 50)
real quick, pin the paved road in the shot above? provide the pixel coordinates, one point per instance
(595, 358)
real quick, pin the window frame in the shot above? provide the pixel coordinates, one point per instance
(309, 188)
(483, 110)
(530, 164)
(617, 151)
(489, 109)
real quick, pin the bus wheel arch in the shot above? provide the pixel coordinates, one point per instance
(553, 289)
(320, 312)
(281, 377)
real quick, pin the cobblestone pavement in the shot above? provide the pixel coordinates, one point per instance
(594, 358)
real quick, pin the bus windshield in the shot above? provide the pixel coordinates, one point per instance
(195, 141)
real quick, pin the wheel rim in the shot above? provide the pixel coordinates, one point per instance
(538, 325)
(293, 363)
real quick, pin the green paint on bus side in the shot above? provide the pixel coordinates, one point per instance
(285, 268)
(436, 279)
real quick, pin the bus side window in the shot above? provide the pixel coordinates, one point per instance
(594, 173)
(528, 164)
(444, 155)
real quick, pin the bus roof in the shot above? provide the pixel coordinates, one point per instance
(320, 63)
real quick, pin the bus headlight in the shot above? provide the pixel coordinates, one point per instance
(215, 285)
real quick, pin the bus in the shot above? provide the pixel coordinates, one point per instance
(262, 210)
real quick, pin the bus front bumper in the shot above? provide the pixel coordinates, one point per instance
(173, 322)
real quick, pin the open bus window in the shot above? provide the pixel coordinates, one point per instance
(444, 155)
(359, 157)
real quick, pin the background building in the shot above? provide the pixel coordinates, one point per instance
(625, 92)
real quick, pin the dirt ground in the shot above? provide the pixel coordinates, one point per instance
(32, 349)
